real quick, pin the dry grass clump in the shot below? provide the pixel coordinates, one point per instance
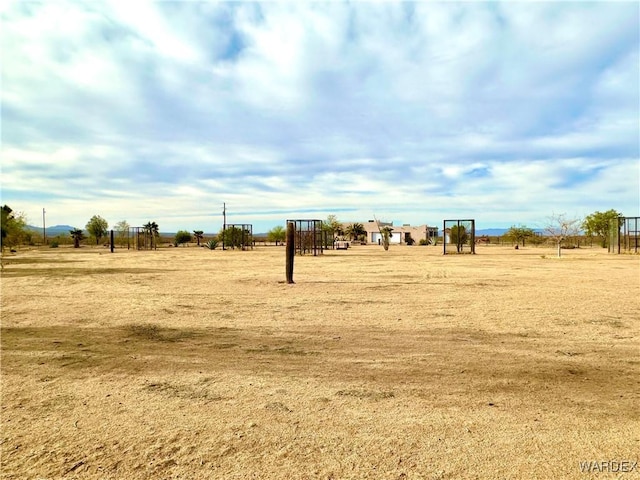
(153, 332)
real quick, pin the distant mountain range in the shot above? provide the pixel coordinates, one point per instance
(491, 232)
(498, 232)
(53, 230)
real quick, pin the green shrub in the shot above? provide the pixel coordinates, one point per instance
(182, 237)
(53, 245)
(212, 244)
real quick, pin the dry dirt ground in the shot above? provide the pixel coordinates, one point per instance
(193, 364)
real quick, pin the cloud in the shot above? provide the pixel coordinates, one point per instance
(165, 110)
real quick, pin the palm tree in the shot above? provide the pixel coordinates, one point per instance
(355, 231)
(198, 234)
(77, 235)
(153, 230)
(147, 232)
(359, 231)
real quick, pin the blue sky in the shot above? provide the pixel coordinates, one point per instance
(413, 112)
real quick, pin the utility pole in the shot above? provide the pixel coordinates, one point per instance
(44, 228)
(224, 223)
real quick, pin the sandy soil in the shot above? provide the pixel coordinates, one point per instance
(188, 363)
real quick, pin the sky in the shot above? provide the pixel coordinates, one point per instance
(414, 112)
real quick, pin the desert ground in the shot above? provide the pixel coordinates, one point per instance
(186, 363)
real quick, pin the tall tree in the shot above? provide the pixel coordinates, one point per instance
(519, 234)
(122, 231)
(97, 228)
(459, 236)
(560, 228)
(77, 236)
(277, 234)
(12, 227)
(333, 226)
(198, 234)
(598, 224)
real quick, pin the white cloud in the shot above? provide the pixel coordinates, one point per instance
(168, 109)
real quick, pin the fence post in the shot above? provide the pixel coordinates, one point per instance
(291, 249)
